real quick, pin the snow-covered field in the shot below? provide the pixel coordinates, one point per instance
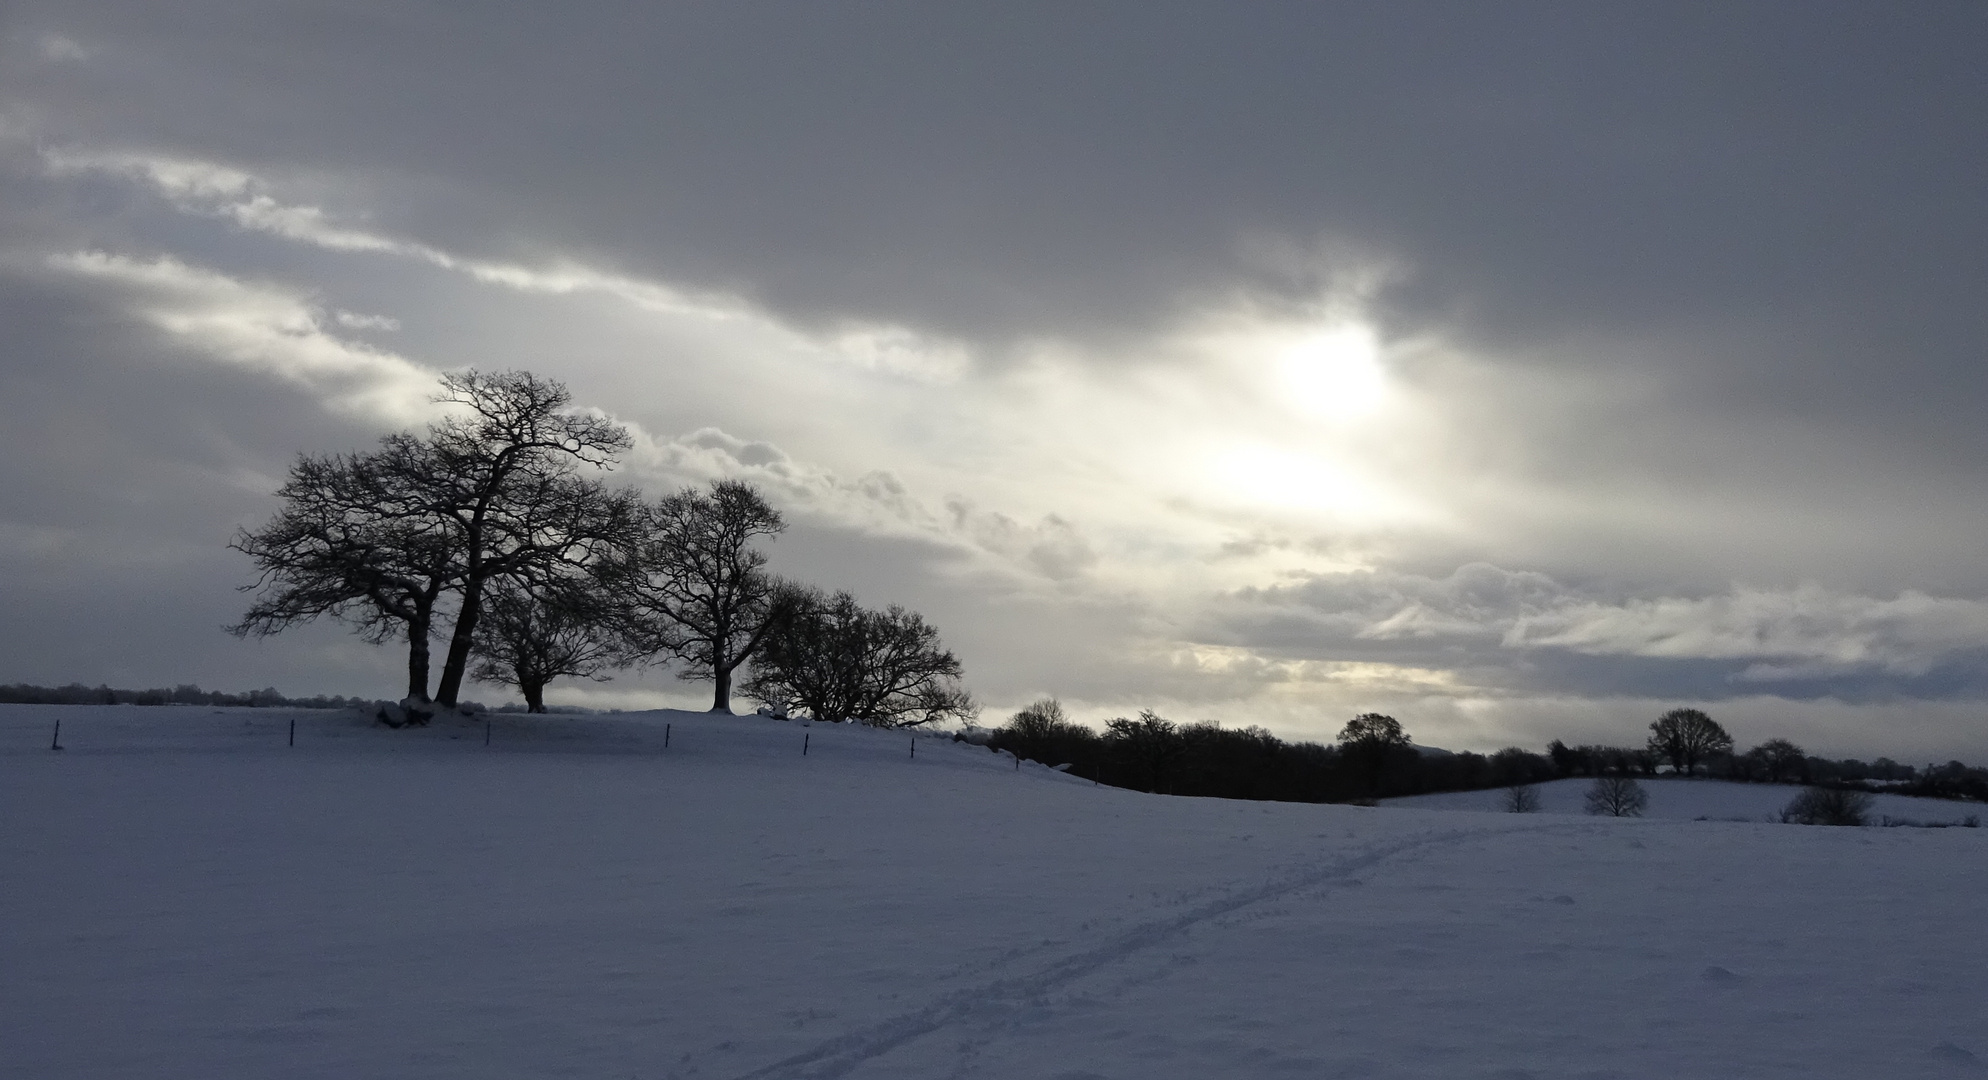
(1691, 800)
(183, 895)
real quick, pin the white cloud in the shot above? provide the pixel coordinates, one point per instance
(210, 189)
(353, 320)
(1803, 632)
(1480, 610)
(261, 327)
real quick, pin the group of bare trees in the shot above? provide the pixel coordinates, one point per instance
(490, 499)
(497, 521)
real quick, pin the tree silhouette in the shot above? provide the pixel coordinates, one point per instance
(353, 541)
(1827, 806)
(530, 636)
(490, 492)
(504, 477)
(698, 589)
(836, 660)
(1520, 799)
(1687, 737)
(1617, 796)
(1150, 748)
(1782, 759)
(1370, 742)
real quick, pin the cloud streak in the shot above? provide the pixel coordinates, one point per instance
(1487, 618)
(260, 327)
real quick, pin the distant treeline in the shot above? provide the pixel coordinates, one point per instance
(1374, 759)
(187, 694)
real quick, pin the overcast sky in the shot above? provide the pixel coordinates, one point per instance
(1519, 370)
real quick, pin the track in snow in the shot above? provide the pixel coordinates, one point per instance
(838, 1056)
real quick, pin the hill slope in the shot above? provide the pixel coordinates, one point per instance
(184, 895)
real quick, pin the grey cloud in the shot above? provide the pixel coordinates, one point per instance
(1053, 546)
(1507, 631)
(1542, 168)
(877, 504)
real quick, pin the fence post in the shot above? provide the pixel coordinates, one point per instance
(804, 744)
(666, 736)
(293, 731)
(55, 741)
(914, 746)
(486, 731)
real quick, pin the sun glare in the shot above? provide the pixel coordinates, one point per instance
(1335, 374)
(1264, 475)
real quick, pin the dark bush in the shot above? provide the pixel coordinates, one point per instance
(1828, 806)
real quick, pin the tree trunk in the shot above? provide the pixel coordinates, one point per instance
(417, 658)
(721, 697)
(534, 691)
(459, 645)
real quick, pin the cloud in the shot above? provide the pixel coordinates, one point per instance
(876, 504)
(261, 327)
(1516, 631)
(1806, 632)
(248, 201)
(60, 49)
(1053, 546)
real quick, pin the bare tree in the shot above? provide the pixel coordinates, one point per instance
(1617, 796)
(838, 661)
(381, 538)
(699, 589)
(353, 541)
(503, 475)
(1040, 720)
(1520, 799)
(1687, 737)
(529, 636)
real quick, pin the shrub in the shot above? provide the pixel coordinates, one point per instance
(1827, 806)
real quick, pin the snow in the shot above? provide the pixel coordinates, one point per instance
(1679, 799)
(182, 894)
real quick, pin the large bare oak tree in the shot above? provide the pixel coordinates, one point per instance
(697, 588)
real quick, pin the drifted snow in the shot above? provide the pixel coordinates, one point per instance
(183, 895)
